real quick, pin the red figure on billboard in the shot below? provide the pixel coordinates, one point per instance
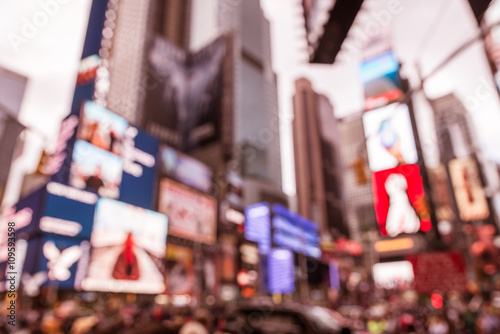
(126, 266)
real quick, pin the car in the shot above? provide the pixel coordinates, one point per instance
(284, 318)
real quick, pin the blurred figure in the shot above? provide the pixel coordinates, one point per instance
(489, 322)
(203, 323)
(438, 325)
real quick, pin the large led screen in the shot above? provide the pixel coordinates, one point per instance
(128, 247)
(389, 137)
(258, 225)
(95, 169)
(469, 193)
(102, 128)
(185, 169)
(192, 215)
(399, 199)
(381, 80)
(281, 277)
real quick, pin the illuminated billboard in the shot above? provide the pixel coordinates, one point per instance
(184, 106)
(393, 275)
(469, 193)
(100, 152)
(258, 225)
(292, 231)
(381, 80)
(95, 169)
(128, 245)
(389, 137)
(185, 169)
(281, 278)
(102, 128)
(192, 215)
(399, 201)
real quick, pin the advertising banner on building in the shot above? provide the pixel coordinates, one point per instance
(469, 194)
(399, 200)
(381, 80)
(193, 215)
(100, 152)
(389, 137)
(281, 277)
(441, 193)
(128, 245)
(439, 271)
(185, 169)
(185, 102)
(258, 225)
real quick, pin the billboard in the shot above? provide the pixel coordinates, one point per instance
(100, 152)
(441, 193)
(258, 225)
(439, 271)
(393, 275)
(192, 215)
(128, 245)
(184, 105)
(399, 200)
(185, 169)
(102, 128)
(281, 278)
(389, 137)
(96, 170)
(294, 232)
(181, 277)
(381, 80)
(469, 193)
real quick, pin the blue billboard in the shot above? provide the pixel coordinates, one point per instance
(258, 225)
(281, 279)
(292, 231)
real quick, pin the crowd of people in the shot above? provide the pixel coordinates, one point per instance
(402, 314)
(406, 313)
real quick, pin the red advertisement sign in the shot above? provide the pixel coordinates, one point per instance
(439, 271)
(399, 201)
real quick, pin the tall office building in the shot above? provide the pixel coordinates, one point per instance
(192, 25)
(12, 86)
(317, 160)
(358, 198)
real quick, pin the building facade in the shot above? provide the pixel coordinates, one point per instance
(317, 160)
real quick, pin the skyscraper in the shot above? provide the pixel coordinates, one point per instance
(317, 160)
(191, 25)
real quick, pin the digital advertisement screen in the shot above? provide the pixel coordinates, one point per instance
(95, 169)
(258, 225)
(185, 169)
(128, 245)
(399, 201)
(102, 128)
(56, 259)
(381, 80)
(392, 275)
(64, 216)
(181, 277)
(389, 137)
(469, 193)
(281, 277)
(295, 232)
(192, 215)
(139, 168)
